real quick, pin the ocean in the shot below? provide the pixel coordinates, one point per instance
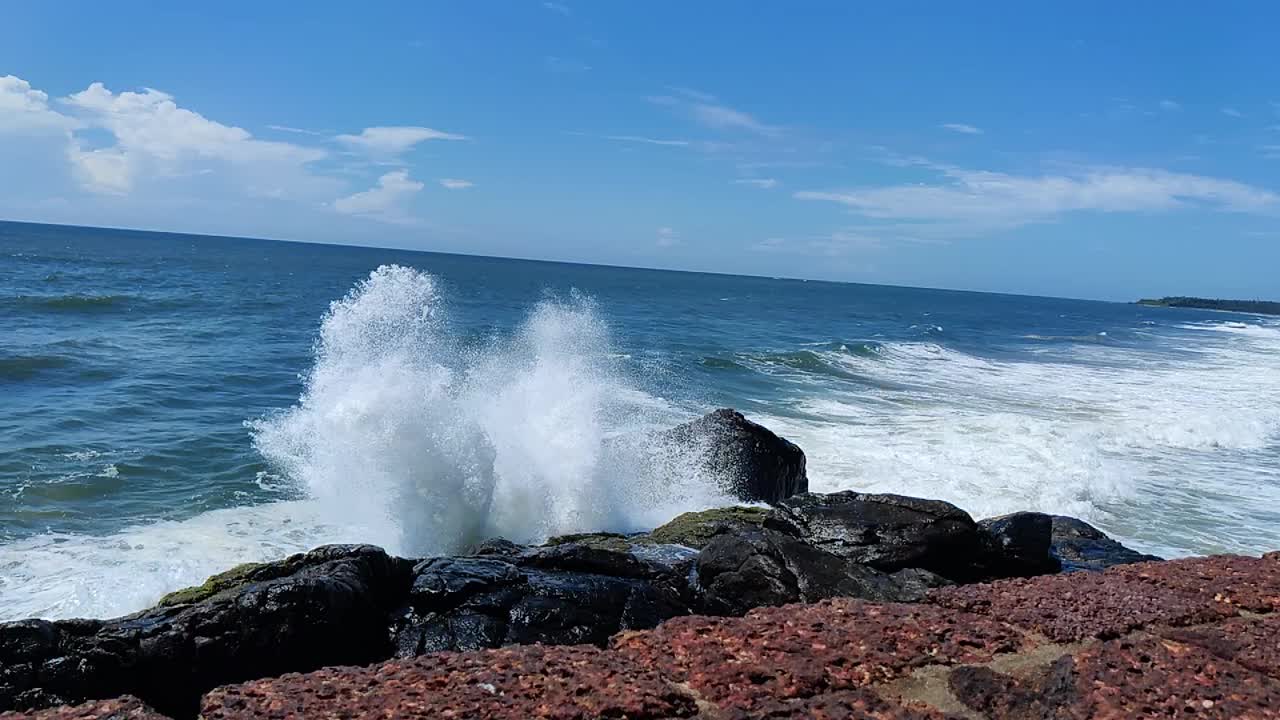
(172, 405)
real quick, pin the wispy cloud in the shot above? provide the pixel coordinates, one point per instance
(558, 8)
(1170, 105)
(387, 201)
(455, 184)
(762, 183)
(648, 140)
(294, 130)
(709, 112)
(394, 140)
(667, 237)
(1232, 112)
(1271, 152)
(962, 128)
(972, 201)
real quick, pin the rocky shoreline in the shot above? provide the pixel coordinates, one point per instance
(595, 625)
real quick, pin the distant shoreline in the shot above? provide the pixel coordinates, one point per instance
(1262, 307)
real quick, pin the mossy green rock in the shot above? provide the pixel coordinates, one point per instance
(233, 578)
(695, 529)
(613, 542)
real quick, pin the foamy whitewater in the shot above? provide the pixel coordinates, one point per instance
(222, 407)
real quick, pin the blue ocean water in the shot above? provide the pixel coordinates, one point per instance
(171, 405)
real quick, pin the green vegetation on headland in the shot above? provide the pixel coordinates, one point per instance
(1248, 306)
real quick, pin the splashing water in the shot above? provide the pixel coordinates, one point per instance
(425, 446)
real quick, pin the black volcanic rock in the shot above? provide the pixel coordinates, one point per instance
(756, 464)
(1021, 544)
(1081, 546)
(568, 593)
(887, 532)
(331, 608)
(756, 568)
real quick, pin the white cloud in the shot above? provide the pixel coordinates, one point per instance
(24, 109)
(706, 110)
(1169, 105)
(1232, 112)
(393, 141)
(558, 7)
(647, 140)
(667, 237)
(961, 128)
(455, 184)
(385, 201)
(762, 183)
(155, 137)
(971, 201)
(105, 170)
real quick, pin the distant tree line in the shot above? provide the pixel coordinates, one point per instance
(1265, 307)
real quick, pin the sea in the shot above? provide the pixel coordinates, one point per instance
(172, 405)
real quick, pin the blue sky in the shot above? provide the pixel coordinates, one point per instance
(1102, 150)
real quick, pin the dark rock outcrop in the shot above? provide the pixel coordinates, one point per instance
(758, 568)
(1077, 545)
(757, 465)
(1021, 544)
(580, 591)
(887, 532)
(331, 608)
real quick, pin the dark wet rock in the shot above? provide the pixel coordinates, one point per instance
(756, 464)
(888, 532)
(572, 592)
(758, 568)
(1081, 546)
(331, 608)
(696, 529)
(1021, 544)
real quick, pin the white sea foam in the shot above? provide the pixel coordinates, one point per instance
(1171, 454)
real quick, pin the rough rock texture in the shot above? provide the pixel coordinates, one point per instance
(1023, 542)
(757, 465)
(761, 568)
(122, 708)
(556, 683)
(332, 609)
(573, 592)
(1077, 545)
(1188, 652)
(1076, 606)
(696, 529)
(888, 532)
(801, 651)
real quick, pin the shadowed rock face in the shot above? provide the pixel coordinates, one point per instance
(565, 594)
(1080, 546)
(738, 572)
(331, 609)
(758, 465)
(887, 532)
(1023, 542)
